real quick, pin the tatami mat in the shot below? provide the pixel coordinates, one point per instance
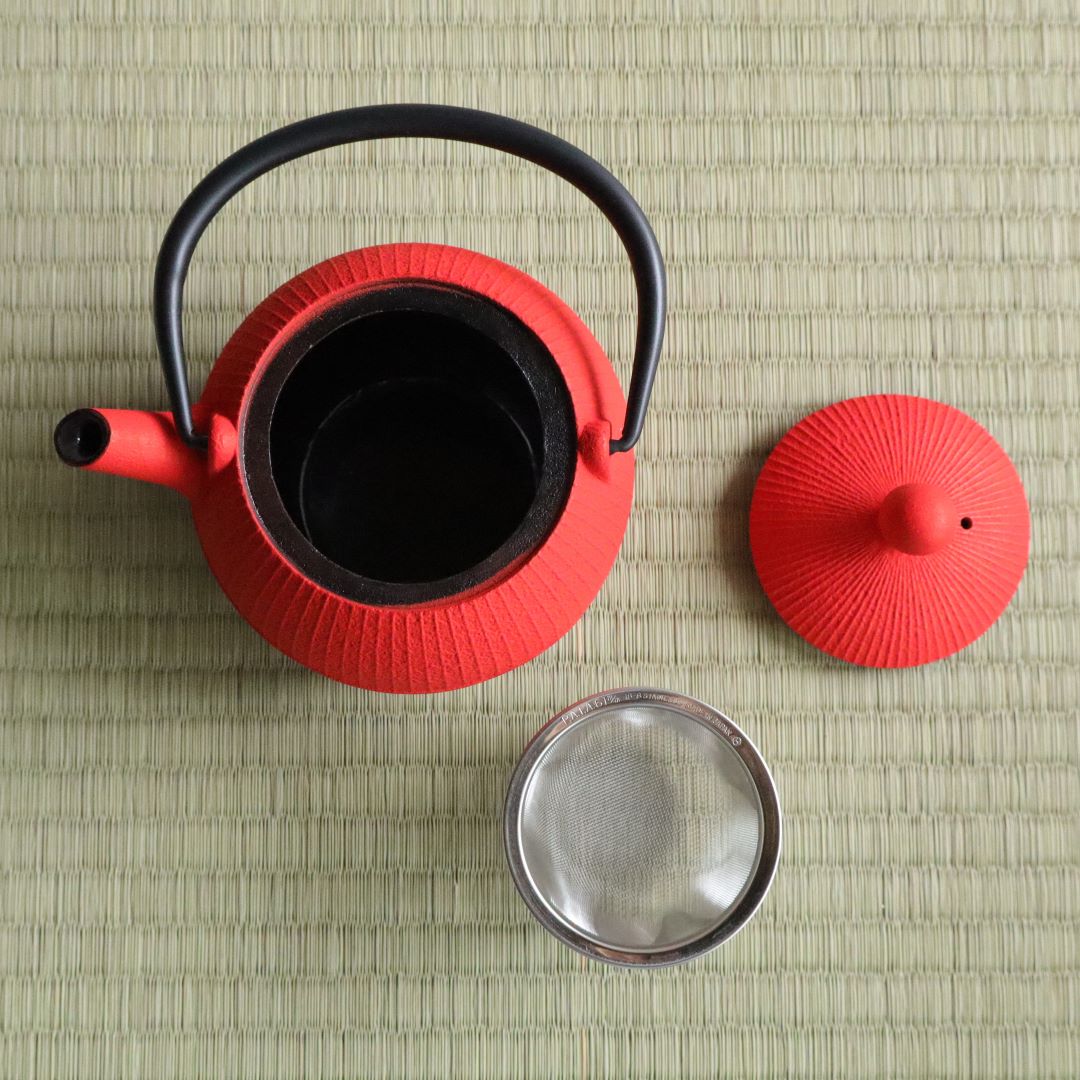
(213, 863)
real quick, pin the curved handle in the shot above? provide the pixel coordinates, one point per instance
(411, 121)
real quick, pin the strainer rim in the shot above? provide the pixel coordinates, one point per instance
(722, 726)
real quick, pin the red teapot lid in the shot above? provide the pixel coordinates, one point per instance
(889, 530)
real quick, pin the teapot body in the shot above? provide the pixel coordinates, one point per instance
(404, 468)
(453, 629)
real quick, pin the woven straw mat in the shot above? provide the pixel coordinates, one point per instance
(214, 863)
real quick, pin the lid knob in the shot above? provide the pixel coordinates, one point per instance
(918, 518)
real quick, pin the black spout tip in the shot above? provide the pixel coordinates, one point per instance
(81, 437)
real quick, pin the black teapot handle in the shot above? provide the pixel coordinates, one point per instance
(411, 121)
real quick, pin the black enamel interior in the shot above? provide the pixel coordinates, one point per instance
(421, 440)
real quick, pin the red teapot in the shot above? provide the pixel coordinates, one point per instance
(410, 468)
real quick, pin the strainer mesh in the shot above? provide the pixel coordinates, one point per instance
(640, 827)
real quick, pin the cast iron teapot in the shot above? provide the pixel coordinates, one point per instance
(404, 467)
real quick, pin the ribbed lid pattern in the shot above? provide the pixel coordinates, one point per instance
(821, 556)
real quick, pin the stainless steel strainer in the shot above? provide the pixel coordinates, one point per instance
(642, 827)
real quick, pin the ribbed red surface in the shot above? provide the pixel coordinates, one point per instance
(821, 555)
(450, 643)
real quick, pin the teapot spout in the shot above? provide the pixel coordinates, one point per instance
(132, 443)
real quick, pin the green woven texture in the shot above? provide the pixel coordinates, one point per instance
(216, 864)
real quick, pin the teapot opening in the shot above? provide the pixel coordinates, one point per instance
(421, 441)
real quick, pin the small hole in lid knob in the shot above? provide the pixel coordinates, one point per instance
(965, 523)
